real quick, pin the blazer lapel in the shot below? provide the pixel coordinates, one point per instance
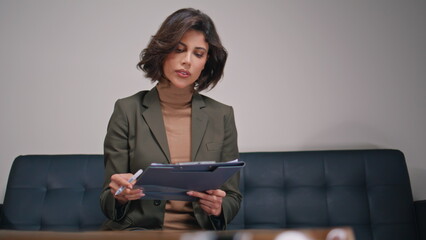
(154, 119)
(199, 124)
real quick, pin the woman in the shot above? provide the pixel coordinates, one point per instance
(172, 123)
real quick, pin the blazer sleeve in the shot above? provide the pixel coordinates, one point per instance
(231, 203)
(232, 200)
(116, 160)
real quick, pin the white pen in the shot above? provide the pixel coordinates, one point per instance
(133, 178)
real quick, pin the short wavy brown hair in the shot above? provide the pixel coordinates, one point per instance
(167, 38)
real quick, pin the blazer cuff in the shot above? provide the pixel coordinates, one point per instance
(218, 222)
(120, 210)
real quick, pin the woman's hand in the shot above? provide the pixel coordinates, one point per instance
(118, 180)
(210, 201)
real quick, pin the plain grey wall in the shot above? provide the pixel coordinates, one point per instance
(301, 74)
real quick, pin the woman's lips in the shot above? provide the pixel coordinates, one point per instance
(183, 73)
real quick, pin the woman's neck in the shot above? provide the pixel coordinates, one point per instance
(171, 95)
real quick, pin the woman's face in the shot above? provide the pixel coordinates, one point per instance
(183, 66)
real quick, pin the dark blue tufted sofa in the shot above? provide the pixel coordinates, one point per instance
(368, 190)
(54, 192)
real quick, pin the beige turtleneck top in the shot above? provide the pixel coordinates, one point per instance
(176, 109)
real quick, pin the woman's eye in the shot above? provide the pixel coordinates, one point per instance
(199, 55)
(179, 50)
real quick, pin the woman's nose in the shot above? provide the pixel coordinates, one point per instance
(186, 60)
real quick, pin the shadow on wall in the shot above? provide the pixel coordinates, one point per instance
(347, 135)
(417, 178)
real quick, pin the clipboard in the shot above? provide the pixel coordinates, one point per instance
(172, 181)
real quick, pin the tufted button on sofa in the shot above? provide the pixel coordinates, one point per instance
(368, 190)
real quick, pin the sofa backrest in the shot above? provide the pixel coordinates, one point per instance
(54, 192)
(366, 189)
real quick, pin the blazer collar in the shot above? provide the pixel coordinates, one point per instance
(154, 119)
(199, 120)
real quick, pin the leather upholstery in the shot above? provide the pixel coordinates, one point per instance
(366, 189)
(421, 217)
(54, 192)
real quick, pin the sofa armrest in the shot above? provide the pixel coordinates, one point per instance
(421, 217)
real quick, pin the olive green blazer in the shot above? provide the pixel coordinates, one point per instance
(136, 137)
